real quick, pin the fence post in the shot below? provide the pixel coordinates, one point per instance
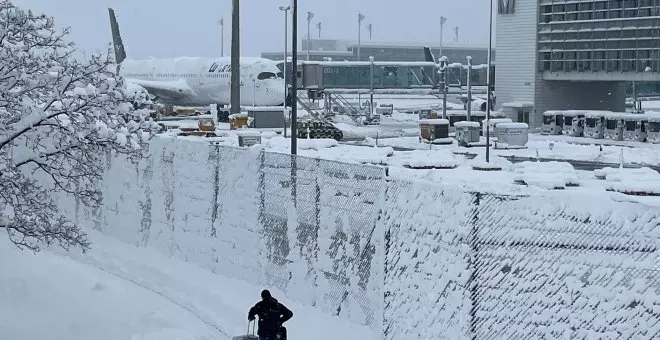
(215, 157)
(262, 189)
(473, 264)
(294, 181)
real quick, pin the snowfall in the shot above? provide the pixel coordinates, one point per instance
(119, 291)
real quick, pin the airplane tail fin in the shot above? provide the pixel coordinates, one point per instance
(120, 52)
(428, 55)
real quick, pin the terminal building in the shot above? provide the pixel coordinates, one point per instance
(340, 50)
(573, 54)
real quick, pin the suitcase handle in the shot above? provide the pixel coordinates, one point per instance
(254, 325)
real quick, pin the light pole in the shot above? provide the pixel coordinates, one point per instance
(318, 28)
(294, 79)
(310, 16)
(370, 28)
(360, 19)
(443, 20)
(489, 81)
(222, 36)
(285, 9)
(469, 88)
(235, 97)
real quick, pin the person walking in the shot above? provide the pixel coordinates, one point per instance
(272, 315)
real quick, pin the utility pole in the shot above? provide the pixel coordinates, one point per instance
(360, 19)
(443, 20)
(456, 34)
(310, 16)
(235, 59)
(318, 27)
(222, 36)
(294, 77)
(370, 28)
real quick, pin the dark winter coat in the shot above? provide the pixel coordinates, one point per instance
(272, 315)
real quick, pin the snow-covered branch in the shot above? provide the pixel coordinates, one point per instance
(58, 118)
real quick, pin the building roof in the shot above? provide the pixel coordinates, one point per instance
(448, 45)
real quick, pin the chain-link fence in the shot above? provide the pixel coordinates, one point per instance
(520, 267)
(425, 261)
(336, 208)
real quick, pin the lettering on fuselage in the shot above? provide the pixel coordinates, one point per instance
(219, 68)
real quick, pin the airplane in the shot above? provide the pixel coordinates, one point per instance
(196, 81)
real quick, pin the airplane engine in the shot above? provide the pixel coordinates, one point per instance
(478, 104)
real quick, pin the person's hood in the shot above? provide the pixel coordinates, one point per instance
(270, 299)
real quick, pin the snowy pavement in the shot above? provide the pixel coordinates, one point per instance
(118, 291)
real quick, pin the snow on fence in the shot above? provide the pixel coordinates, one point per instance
(465, 265)
(409, 259)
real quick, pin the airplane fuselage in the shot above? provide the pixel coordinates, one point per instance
(190, 81)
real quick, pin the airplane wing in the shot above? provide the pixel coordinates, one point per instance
(172, 90)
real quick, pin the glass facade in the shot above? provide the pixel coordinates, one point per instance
(599, 36)
(384, 77)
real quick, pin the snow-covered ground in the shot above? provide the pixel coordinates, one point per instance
(553, 147)
(118, 291)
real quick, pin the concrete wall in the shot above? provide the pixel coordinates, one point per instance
(567, 95)
(515, 76)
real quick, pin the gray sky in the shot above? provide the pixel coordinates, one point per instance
(161, 28)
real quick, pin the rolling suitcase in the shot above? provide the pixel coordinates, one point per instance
(248, 336)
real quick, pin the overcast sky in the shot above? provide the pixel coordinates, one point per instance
(161, 28)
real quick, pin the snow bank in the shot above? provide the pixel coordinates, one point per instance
(642, 180)
(547, 175)
(119, 291)
(442, 159)
(282, 144)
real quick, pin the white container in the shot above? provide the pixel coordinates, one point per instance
(467, 132)
(492, 126)
(513, 134)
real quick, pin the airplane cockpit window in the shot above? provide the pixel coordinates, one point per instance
(266, 75)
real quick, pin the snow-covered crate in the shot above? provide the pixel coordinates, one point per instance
(435, 131)
(512, 135)
(639, 182)
(548, 175)
(467, 132)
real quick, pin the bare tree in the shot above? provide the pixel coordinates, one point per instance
(59, 117)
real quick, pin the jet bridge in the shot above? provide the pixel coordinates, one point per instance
(368, 75)
(330, 80)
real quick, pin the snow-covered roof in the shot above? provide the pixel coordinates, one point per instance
(513, 125)
(437, 121)
(493, 121)
(467, 124)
